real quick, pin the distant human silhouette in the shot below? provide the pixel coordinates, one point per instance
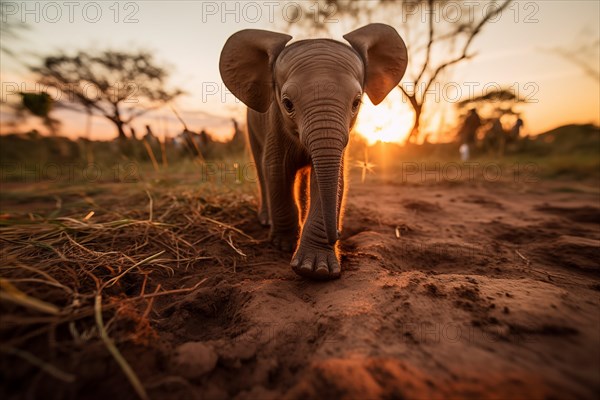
(468, 134)
(204, 139)
(515, 131)
(495, 138)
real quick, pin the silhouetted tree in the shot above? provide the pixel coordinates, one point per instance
(117, 85)
(39, 105)
(435, 42)
(493, 104)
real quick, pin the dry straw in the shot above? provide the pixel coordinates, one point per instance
(77, 270)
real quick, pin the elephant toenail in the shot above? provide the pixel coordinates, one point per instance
(307, 266)
(322, 270)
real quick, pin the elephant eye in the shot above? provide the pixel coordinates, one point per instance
(355, 105)
(288, 105)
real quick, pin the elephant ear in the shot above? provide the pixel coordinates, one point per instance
(384, 53)
(246, 65)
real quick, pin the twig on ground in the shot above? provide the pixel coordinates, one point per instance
(523, 257)
(145, 260)
(229, 241)
(127, 370)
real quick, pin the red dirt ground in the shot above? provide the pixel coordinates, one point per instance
(449, 290)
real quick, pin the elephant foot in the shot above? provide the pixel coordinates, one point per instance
(263, 217)
(319, 263)
(284, 240)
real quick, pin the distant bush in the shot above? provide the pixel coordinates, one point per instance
(569, 151)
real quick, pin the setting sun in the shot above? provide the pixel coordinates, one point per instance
(389, 121)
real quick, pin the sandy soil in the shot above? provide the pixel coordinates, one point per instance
(471, 290)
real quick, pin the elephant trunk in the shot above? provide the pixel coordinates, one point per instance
(326, 152)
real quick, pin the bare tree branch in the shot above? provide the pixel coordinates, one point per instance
(575, 57)
(429, 45)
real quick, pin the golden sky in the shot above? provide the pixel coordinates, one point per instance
(188, 36)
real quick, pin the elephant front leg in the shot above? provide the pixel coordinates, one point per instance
(285, 225)
(257, 150)
(315, 258)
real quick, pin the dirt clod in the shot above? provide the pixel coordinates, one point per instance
(194, 359)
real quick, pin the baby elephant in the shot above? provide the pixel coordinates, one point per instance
(303, 100)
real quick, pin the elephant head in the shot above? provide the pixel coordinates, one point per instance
(316, 87)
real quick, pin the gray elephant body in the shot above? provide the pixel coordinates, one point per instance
(303, 100)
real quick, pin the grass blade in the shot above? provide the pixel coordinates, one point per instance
(127, 370)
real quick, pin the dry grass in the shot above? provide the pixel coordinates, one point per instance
(91, 275)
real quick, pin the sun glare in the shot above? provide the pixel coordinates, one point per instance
(389, 121)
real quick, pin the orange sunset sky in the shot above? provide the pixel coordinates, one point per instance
(188, 36)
